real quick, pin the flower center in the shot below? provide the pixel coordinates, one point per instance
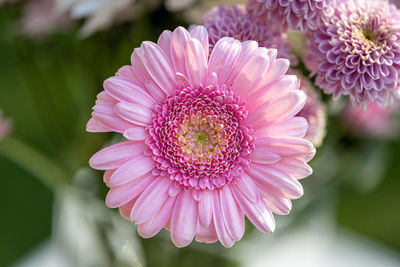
(190, 133)
(369, 35)
(202, 138)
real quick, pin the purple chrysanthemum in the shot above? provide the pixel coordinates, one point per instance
(357, 52)
(234, 21)
(295, 14)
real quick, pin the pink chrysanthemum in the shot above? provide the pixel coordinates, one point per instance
(301, 15)
(374, 121)
(314, 112)
(234, 21)
(212, 137)
(358, 52)
(5, 126)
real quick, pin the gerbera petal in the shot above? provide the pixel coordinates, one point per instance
(269, 177)
(184, 220)
(278, 205)
(94, 126)
(132, 170)
(136, 133)
(246, 53)
(288, 146)
(114, 156)
(258, 213)
(151, 200)
(180, 37)
(205, 208)
(107, 177)
(297, 168)
(247, 187)
(121, 195)
(127, 73)
(200, 33)
(223, 58)
(206, 234)
(233, 216)
(134, 113)
(280, 108)
(295, 127)
(196, 62)
(105, 116)
(252, 73)
(219, 223)
(264, 156)
(126, 209)
(158, 66)
(127, 91)
(164, 42)
(158, 221)
(270, 90)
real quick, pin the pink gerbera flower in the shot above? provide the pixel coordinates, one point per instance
(212, 138)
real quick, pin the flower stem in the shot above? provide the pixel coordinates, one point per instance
(33, 161)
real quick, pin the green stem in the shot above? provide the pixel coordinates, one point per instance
(33, 161)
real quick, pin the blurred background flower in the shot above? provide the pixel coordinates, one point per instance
(5, 126)
(234, 21)
(373, 121)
